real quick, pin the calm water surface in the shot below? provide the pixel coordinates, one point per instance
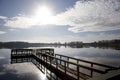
(28, 71)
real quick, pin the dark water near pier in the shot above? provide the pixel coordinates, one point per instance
(28, 71)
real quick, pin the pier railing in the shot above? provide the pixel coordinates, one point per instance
(67, 65)
(21, 52)
(81, 60)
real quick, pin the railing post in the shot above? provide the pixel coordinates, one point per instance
(46, 58)
(41, 56)
(55, 55)
(60, 59)
(91, 64)
(65, 66)
(78, 72)
(68, 61)
(91, 70)
(56, 63)
(50, 60)
(77, 61)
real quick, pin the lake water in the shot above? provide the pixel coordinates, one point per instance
(28, 71)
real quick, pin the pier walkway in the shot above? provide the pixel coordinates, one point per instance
(66, 67)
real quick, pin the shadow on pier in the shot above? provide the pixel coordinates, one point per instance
(59, 67)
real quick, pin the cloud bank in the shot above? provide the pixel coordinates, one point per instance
(3, 17)
(93, 15)
(2, 32)
(20, 22)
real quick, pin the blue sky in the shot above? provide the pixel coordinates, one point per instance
(59, 20)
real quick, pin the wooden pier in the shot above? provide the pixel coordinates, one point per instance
(65, 66)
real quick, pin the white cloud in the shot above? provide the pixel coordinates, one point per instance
(2, 32)
(11, 29)
(94, 15)
(3, 17)
(20, 22)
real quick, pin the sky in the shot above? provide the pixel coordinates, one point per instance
(59, 20)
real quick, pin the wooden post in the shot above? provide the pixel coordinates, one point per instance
(50, 60)
(60, 59)
(91, 70)
(77, 61)
(56, 63)
(78, 72)
(68, 61)
(46, 58)
(55, 55)
(43, 57)
(65, 66)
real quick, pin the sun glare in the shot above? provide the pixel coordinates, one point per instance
(43, 15)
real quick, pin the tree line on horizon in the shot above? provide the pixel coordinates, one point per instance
(73, 44)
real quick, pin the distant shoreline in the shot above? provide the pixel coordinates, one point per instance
(115, 44)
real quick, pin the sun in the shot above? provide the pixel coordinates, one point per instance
(43, 15)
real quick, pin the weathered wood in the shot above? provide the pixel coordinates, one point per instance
(58, 62)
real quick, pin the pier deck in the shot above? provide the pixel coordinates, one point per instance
(68, 67)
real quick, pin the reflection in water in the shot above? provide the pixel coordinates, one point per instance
(27, 71)
(22, 71)
(104, 56)
(47, 74)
